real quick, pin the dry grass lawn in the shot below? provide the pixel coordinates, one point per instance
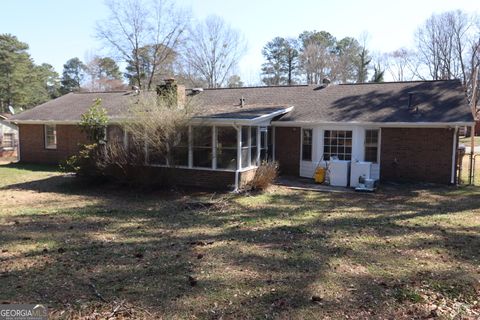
(99, 252)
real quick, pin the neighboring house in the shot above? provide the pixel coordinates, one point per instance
(8, 137)
(407, 131)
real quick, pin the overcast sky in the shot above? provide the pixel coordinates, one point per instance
(57, 30)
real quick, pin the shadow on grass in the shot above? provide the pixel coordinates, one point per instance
(31, 167)
(263, 256)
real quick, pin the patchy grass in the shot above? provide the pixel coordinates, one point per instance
(465, 170)
(100, 252)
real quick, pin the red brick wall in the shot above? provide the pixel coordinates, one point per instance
(287, 150)
(210, 179)
(32, 143)
(418, 155)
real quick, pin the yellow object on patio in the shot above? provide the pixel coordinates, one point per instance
(320, 175)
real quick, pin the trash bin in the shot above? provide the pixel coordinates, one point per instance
(320, 175)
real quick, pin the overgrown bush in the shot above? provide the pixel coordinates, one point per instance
(94, 124)
(265, 175)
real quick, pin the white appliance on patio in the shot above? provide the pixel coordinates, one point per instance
(339, 172)
(359, 169)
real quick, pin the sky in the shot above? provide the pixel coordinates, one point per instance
(57, 30)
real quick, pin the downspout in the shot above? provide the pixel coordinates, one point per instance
(454, 154)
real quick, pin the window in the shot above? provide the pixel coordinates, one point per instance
(50, 136)
(371, 145)
(115, 134)
(8, 140)
(254, 146)
(337, 143)
(180, 149)
(245, 147)
(202, 147)
(265, 146)
(226, 148)
(307, 144)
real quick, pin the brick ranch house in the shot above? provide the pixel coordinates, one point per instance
(403, 131)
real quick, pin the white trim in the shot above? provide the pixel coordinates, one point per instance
(214, 147)
(194, 121)
(454, 155)
(259, 145)
(200, 168)
(44, 122)
(45, 143)
(190, 147)
(301, 144)
(274, 143)
(249, 144)
(247, 122)
(376, 124)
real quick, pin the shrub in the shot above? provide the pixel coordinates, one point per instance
(265, 175)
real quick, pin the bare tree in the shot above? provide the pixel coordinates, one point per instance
(213, 51)
(137, 24)
(159, 122)
(401, 64)
(316, 60)
(442, 42)
(448, 47)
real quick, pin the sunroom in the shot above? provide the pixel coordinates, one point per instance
(223, 143)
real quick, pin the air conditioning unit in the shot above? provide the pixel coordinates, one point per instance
(339, 172)
(360, 169)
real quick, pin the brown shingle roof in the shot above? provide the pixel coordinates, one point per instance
(437, 101)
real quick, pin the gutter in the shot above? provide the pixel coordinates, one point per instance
(377, 124)
(195, 120)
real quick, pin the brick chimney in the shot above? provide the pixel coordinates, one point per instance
(171, 86)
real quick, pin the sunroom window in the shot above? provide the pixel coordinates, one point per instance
(226, 148)
(202, 146)
(254, 146)
(180, 149)
(337, 144)
(245, 147)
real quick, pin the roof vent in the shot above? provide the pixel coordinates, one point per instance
(197, 90)
(242, 102)
(411, 105)
(326, 81)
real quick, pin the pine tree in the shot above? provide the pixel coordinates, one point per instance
(378, 74)
(282, 61)
(73, 75)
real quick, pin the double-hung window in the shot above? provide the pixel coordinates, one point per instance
(337, 144)
(307, 144)
(8, 140)
(371, 145)
(50, 136)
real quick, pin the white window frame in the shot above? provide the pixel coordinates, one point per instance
(330, 153)
(365, 145)
(50, 146)
(11, 135)
(301, 145)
